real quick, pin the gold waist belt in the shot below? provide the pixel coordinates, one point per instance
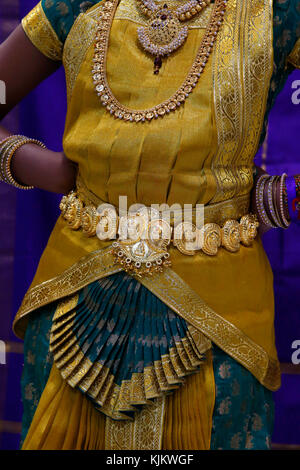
(141, 238)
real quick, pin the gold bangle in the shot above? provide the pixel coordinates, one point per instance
(4, 149)
(8, 153)
(4, 140)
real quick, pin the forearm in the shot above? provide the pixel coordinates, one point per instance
(44, 169)
(32, 165)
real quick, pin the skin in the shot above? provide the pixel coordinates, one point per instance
(31, 165)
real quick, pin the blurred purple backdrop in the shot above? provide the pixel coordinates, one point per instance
(28, 217)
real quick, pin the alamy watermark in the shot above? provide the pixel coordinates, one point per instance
(296, 93)
(296, 354)
(2, 352)
(139, 222)
(2, 92)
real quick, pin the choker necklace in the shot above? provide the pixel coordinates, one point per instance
(164, 33)
(109, 101)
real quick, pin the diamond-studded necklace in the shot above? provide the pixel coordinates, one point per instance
(164, 32)
(109, 101)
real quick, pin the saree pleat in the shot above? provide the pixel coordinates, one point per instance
(65, 420)
(189, 411)
(121, 346)
(196, 408)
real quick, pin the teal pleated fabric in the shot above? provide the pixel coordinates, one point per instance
(123, 324)
(116, 339)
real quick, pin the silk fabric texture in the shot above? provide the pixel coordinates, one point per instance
(174, 155)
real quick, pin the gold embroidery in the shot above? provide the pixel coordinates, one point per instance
(175, 293)
(88, 269)
(243, 55)
(41, 34)
(257, 71)
(144, 433)
(76, 46)
(294, 57)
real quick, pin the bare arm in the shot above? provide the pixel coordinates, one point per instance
(22, 68)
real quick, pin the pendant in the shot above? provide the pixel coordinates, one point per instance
(163, 34)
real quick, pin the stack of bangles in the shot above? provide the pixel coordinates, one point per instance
(278, 200)
(272, 201)
(8, 148)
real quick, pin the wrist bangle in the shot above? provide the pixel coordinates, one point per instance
(293, 199)
(276, 189)
(260, 186)
(2, 142)
(271, 202)
(7, 152)
(284, 220)
(4, 152)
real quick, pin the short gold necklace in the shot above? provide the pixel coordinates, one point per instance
(109, 101)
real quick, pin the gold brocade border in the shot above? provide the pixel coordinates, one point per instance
(88, 269)
(257, 72)
(227, 99)
(144, 433)
(175, 293)
(294, 57)
(41, 34)
(242, 67)
(78, 41)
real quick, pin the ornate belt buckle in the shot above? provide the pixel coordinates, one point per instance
(143, 240)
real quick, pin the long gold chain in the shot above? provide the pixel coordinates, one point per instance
(109, 101)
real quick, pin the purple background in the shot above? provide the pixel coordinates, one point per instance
(28, 217)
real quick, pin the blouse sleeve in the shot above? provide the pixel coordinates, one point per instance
(49, 23)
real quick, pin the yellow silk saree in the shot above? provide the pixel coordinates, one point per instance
(201, 154)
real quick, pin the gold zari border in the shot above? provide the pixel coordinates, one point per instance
(144, 433)
(41, 34)
(175, 293)
(78, 41)
(242, 68)
(88, 269)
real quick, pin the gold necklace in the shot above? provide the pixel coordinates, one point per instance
(109, 101)
(164, 33)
